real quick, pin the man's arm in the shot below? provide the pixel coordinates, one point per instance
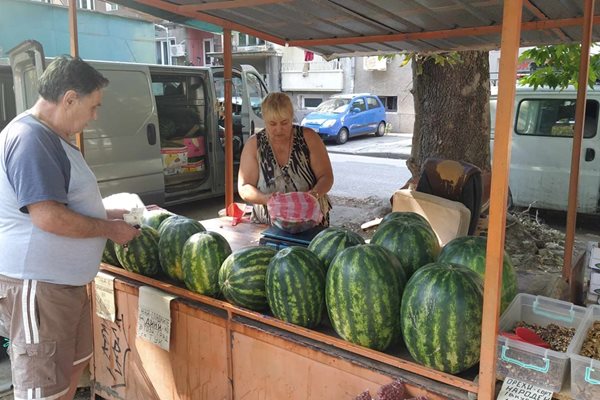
(56, 218)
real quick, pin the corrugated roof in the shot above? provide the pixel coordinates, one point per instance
(336, 28)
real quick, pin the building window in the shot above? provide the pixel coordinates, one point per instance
(247, 40)
(112, 7)
(389, 102)
(163, 52)
(208, 48)
(86, 4)
(311, 102)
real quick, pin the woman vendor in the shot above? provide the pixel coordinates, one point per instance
(283, 158)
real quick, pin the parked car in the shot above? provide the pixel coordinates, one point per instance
(347, 115)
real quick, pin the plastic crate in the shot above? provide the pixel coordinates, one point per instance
(536, 365)
(585, 371)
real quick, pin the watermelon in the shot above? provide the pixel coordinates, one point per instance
(174, 232)
(154, 218)
(470, 251)
(414, 243)
(108, 255)
(404, 216)
(202, 256)
(441, 313)
(363, 295)
(295, 286)
(140, 255)
(330, 241)
(242, 277)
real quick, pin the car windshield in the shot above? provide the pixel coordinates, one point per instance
(333, 105)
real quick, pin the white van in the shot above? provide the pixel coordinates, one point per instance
(542, 140)
(159, 132)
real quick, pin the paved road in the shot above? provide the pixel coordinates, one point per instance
(391, 145)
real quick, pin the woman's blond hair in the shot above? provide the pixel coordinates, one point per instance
(277, 105)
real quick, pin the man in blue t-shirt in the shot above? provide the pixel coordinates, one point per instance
(53, 228)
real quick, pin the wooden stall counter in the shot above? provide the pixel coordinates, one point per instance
(220, 351)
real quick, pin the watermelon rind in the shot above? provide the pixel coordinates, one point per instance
(415, 244)
(363, 294)
(109, 256)
(242, 277)
(295, 286)
(404, 216)
(154, 218)
(442, 308)
(470, 251)
(330, 241)
(174, 232)
(140, 255)
(202, 256)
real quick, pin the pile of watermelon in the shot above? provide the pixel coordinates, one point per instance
(399, 288)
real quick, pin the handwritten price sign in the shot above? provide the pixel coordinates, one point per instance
(154, 317)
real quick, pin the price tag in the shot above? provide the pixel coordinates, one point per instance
(154, 316)
(513, 389)
(105, 296)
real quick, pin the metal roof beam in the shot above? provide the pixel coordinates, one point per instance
(220, 5)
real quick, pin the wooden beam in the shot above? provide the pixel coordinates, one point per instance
(74, 44)
(227, 83)
(441, 34)
(511, 32)
(220, 5)
(539, 14)
(584, 65)
(225, 24)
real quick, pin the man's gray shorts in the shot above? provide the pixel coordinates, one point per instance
(49, 327)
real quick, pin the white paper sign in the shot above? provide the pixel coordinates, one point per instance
(154, 316)
(105, 296)
(513, 389)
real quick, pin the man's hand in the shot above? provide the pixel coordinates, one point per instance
(116, 213)
(121, 232)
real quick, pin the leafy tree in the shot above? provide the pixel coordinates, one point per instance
(557, 66)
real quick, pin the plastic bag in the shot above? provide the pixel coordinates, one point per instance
(294, 212)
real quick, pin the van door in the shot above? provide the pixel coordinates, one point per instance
(255, 90)
(27, 63)
(541, 152)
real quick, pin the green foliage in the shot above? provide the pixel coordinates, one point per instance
(450, 58)
(558, 66)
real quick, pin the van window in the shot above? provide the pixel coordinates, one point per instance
(554, 117)
(257, 92)
(169, 87)
(236, 89)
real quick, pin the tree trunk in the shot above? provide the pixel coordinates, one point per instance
(452, 114)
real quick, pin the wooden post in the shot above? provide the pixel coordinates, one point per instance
(584, 64)
(227, 74)
(74, 44)
(509, 49)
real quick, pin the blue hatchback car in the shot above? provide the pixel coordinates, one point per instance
(346, 115)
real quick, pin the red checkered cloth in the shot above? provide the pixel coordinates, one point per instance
(294, 212)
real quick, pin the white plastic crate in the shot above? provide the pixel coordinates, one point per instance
(585, 371)
(536, 365)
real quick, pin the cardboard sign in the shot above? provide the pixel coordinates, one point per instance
(513, 389)
(105, 296)
(154, 316)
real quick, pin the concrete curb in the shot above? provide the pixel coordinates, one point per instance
(397, 156)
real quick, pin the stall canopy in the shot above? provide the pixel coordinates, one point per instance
(335, 28)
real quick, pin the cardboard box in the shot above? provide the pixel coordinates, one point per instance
(173, 158)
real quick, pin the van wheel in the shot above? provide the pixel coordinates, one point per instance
(380, 129)
(342, 136)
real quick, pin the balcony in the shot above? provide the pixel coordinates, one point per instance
(312, 76)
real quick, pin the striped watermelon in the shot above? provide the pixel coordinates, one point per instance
(442, 306)
(174, 231)
(363, 294)
(242, 277)
(405, 216)
(109, 256)
(202, 256)
(141, 254)
(414, 243)
(330, 241)
(154, 218)
(295, 286)
(470, 251)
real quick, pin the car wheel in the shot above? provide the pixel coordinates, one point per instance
(342, 136)
(380, 129)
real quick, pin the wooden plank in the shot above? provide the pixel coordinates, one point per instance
(241, 235)
(126, 367)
